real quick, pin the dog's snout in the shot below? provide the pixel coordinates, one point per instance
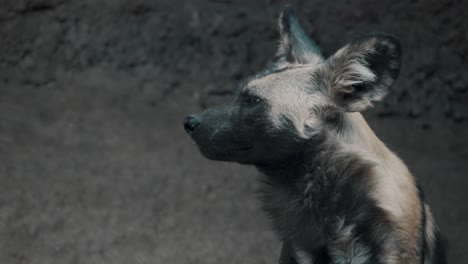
(191, 123)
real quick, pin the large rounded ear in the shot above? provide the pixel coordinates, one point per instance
(362, 71)
(294, 45)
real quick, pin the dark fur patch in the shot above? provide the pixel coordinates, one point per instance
(440, 250)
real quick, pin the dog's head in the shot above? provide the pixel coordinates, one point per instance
(300, 97)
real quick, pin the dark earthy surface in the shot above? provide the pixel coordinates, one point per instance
(95, 166)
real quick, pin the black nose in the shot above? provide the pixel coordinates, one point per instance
(191, 123)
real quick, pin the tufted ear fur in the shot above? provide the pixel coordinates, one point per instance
(362, 71)
(295, 47)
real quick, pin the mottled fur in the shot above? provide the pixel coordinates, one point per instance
(335, 193)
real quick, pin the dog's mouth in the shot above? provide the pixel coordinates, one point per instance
(223, 145)
(226, 153)
(244, 148)
(229, 148)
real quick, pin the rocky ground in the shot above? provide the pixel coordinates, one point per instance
(95, 166)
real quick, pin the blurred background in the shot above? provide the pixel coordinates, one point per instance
(95, 166)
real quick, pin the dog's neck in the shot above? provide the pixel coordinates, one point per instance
(299, 166)
(354, 138)
(356, 132)
(318, 186)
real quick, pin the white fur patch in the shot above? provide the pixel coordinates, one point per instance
(430, 231)
(347, 249)
(355, 72)
(303, 258)
(290, 94)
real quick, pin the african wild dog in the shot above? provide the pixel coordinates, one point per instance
(334, 191)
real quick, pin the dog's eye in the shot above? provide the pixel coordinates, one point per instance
(253, 100)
